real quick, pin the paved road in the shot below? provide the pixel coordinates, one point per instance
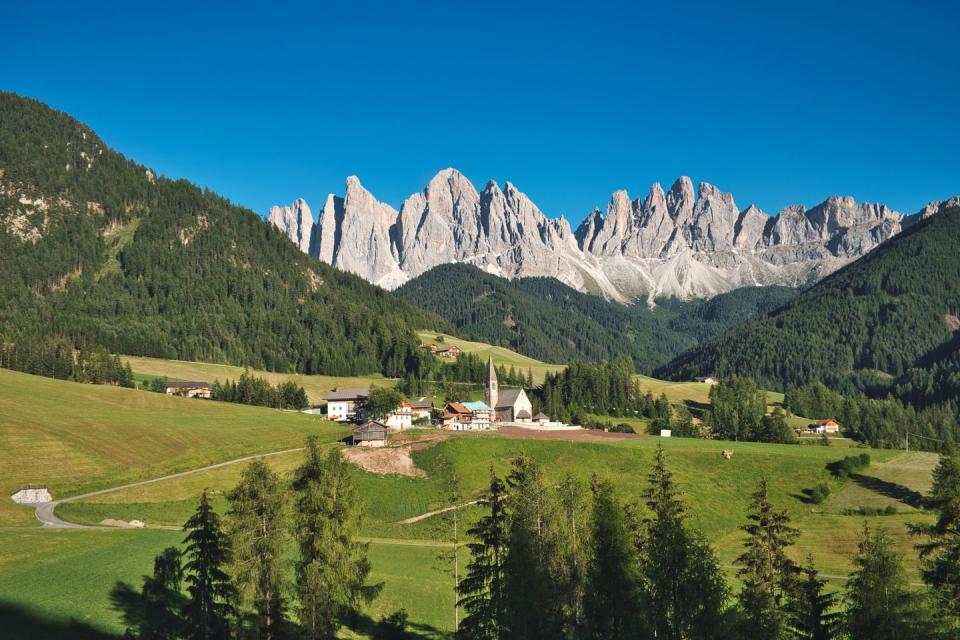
(45, 510)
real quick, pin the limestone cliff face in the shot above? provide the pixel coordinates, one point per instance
(686, 242)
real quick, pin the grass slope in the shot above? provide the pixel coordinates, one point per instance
(77, 437)
(500, 355)
(316, 386)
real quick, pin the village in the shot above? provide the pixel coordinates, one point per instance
(500, 407)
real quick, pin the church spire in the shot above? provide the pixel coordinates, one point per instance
(491, 394)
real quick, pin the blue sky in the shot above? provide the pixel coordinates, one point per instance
(779, 103)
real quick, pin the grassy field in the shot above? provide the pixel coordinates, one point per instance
(78, 437)
(316, 386)
(500, 355)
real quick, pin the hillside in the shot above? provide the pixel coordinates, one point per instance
(547, 320)
(98, 249)
(890, 312)
(74, 437)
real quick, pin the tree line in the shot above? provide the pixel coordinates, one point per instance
(55, 357)
(568, 561)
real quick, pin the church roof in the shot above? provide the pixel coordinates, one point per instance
(508, 397)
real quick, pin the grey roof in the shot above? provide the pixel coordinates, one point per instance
(541, 416)
(184, 384)
(523, 413)
(349, 393)
(507, 398)
(422, 403)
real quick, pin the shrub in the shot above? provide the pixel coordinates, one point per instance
(819, 493)
(846, 466)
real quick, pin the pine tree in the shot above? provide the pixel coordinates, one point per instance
(208, 608)
(161, 598)
(531, 602)
(811, 615)
(768, 574)
(481, 592)
(332, 568)
(683, 586)
(880, 605)
(612, 607)
(450, 522)
(258, 532)
(940, 552)
(569, 535)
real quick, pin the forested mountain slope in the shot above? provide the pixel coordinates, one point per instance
(545, 319)
(894, 311)
(95, 248)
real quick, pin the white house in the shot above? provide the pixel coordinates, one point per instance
(31, 495)
(421, 408)
(401, 418)
(481, 415)
(348, 404)
(826, 426)
(187, 388)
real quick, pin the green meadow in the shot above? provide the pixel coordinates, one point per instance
(77, 437)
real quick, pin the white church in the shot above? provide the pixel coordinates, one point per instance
(509, 405)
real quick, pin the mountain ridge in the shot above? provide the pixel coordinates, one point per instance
(684, 243)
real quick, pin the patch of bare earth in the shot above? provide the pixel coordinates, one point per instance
(952, 321)
(392, 459)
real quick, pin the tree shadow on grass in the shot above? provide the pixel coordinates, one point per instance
(893, 490)
(21, 623)
(363, 624)
(697, 409)
(128, 602)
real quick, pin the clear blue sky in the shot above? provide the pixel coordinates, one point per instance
(779, 103)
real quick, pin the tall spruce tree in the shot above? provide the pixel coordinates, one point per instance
(481, 592)
(208, 609)
(332, 568)
(450, 526)
(768, 574)
(612, 608)
(569, 537)
(940, 551)
(531, 600)
(162, 599)
(811, 615)
(257, 525)
(684, 588)
(880, 605)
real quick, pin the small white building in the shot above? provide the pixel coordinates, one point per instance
(31, 495)
(401, 418)
(347, 404)
(706, 380)
(422, 408)
(187, 388)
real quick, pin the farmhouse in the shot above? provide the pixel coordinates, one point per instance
(825, 426)
(706, 380)
(400, 418)
(467, 416)
(509, 405)
(447, 352)
(370, 434)
(347, 404)
(421, 408)
(481, 413)
(187, 388)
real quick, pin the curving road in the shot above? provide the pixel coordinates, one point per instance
(45, 510)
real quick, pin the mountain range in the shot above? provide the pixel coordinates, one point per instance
(684, 243)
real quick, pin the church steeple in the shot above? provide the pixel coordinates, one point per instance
(491, 394)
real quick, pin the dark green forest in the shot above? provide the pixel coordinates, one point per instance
(97, 250)
(884, 324)
(545, 319)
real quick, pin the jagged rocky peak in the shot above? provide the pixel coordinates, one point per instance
(684, 242)
(295, 221)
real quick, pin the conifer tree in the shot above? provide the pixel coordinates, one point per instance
(811, 615)
(531, 602)
(332, 568)
(161, 598)
(450, 522)
(481, 592)
(208, 608)
(683, 586)
(569, 536)
(612, 606)
(768, 574)
(880, 604)
(258, 532)
(940, 552)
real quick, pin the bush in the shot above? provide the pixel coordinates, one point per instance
(819, 493)
(850, 464)
(621, 427)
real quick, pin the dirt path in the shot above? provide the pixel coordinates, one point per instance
(45, 510)
(430, 514)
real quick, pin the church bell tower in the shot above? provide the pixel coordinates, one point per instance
(490, 396)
